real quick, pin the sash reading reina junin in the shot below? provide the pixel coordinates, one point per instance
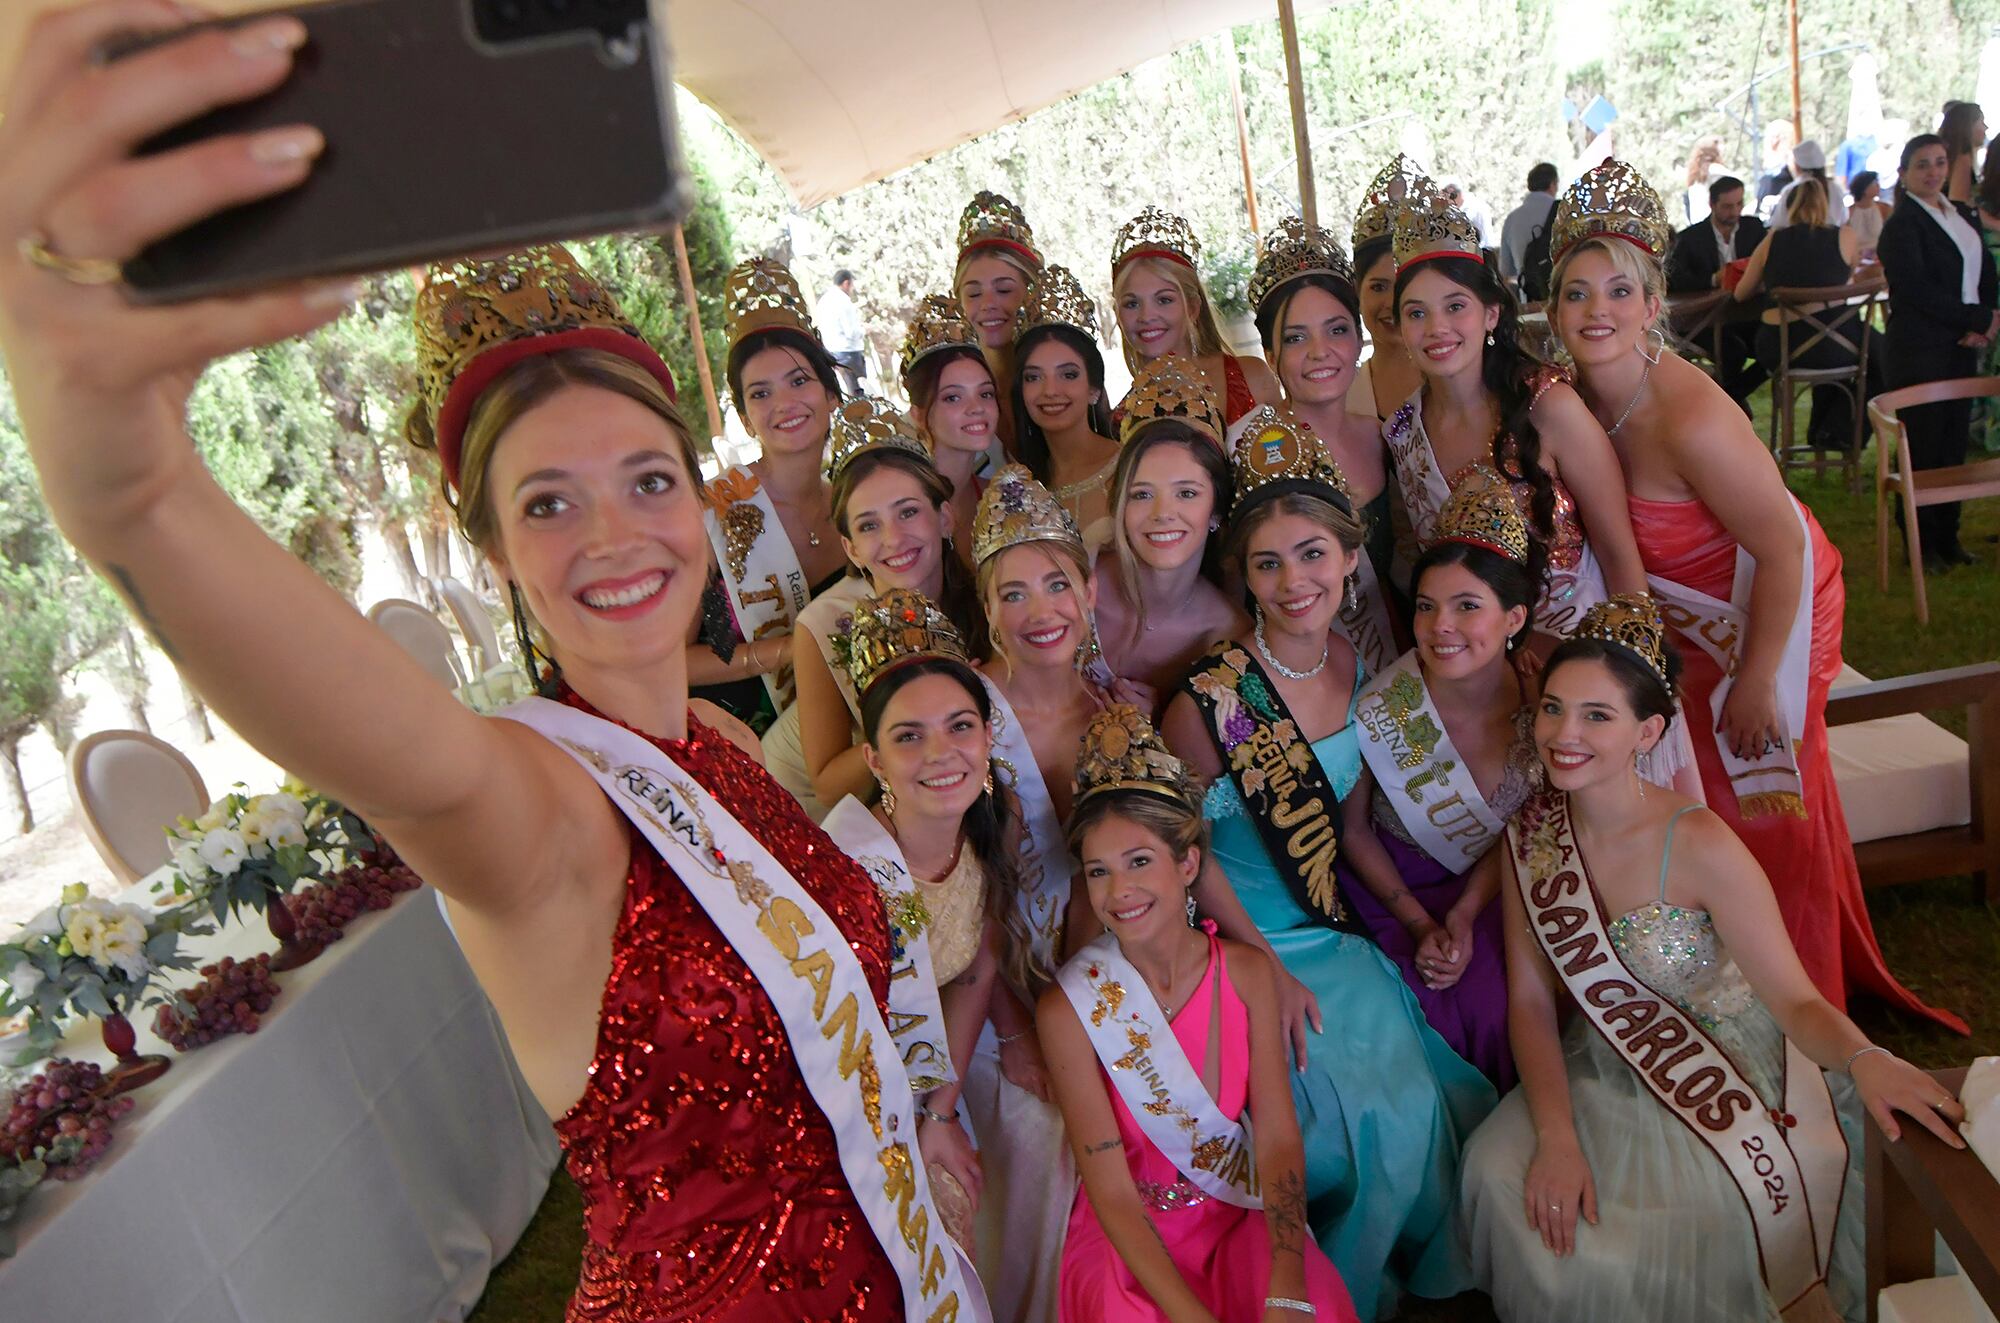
(1789, 1163)
(760, 571)
(843, 1048)
(1411, 754)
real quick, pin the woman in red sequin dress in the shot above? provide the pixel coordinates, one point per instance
(710, 1179)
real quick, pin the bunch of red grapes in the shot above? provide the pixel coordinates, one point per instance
(230, 999)
(323, 909)
(63, 1117)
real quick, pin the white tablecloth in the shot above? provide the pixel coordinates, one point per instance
(366, 1156)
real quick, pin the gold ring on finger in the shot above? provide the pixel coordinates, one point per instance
(35, 250)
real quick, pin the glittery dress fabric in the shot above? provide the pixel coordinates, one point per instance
(1673, 1241)
(1223, 1252)
(1237, 399)
(1809, 862)
(712, 1187)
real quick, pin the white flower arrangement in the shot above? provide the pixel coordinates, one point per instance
(88, 956)
(247, 848)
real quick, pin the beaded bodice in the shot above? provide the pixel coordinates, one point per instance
(956, 904)
(1678, 954)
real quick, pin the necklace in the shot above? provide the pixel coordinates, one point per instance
(1645, 375)
(1264, 651)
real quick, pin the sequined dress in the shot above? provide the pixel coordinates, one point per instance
(712, 1188)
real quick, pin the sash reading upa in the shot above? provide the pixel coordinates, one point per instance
(1411, 754)
(760, 571)
(844, 1050)
(1145, 1062)
(1788, 1163)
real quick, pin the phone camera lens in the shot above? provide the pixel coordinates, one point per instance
(509, 12)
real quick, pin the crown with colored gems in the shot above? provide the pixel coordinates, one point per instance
(1297, 249)
(474, 305)
(1171, 387)
(1427, 226)
(761, 294)
(1015, 508)
(1122, 751)
(993, 221)
(1612, 199)
(1059, 300)
(939, 323)
(1155, 233)
(870, 423)
(894, 628)
(1393, 184)
(1632, 621)
(1483, 512)
(1277, 452)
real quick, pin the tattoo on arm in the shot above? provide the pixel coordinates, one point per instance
(130, 591)
(1105, 1147)
(1285, 1202)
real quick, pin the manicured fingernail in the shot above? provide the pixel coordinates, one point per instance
(284, 146)
(257, 41)
(333, 294)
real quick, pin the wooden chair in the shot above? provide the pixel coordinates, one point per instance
(128, 788)
(420, 634)
(1844, 316)
(1696, 322)
(1916, 488)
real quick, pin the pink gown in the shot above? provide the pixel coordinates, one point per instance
(1223, 1252)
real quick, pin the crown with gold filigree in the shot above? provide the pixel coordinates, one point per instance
(1015, 508)
(939, 323)
(1483, 512)
(1278, 453)
(761, 294)
(1632, 621)
(476, 316)
(1122, 751)
(993, 221)
(1170, 387)
(870, 423)
(1427, 226)
(1155, 233)
(894, 628)
(1293, 250)
(1611, 199)
(1059, 300)
(1393, 184)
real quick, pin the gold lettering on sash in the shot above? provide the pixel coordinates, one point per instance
(784, 923)
(845, 1021)
(771, 594)
(816, 968)
(1288, 818)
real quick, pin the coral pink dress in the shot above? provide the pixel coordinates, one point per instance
(1810, 862)
(1223, 1252)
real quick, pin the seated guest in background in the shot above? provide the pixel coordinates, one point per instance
(1812, 251)
(1695, 263)
(1809, 162)
(1523, 221)
(1866, 211)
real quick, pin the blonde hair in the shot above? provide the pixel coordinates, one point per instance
(1626, 259)
(1807, 205)
(1058, 552)
(1028, 272)
(1204, 329)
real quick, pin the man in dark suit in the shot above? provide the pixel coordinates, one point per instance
(1694, 265)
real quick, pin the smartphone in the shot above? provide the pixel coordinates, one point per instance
(452, 127)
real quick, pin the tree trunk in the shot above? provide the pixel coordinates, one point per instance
(416, 586)
(61, 721)
(134, 684)
(10, 753)
(197, 715)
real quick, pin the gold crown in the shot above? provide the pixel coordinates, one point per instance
(1171, 387)
(1483, 511)
(893, 628)
(1155, 233)
(1296, 249)
(990, 220)
(1278, 452)
(870, 423)
(1122, 751)
(1015, 508)
(1612, 199)
(762, 294)
(939, 323)
(1427, 226)
(1059, 300)
(1631, 621)
(1393, 184)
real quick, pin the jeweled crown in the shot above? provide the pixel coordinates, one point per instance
(1482, 511)
(1122, 751)
(1632, 621)
(1427, 226)
(1014, 509)
(939, 323)
(1059, 300)
(1612, 199)
(761, 294)
(1171, 387)
(870, 423)
(991, 220)
(894, 628)
(1278, 452)
(1393, 184)
(1155, 233)
(1296, 249)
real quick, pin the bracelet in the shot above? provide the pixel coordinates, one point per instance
(1862, 1052)
(1003, 1039)
(942, 1118)
(1296, 1306)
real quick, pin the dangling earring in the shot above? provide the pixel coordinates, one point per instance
(1190, 909)
(1636, 756)
(1215, 525)
(888, 795)
(1090, 649)
(1350, 590)
(1659, 338)
(547, 683)
(1489, 339)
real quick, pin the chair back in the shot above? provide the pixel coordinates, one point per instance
(1697, 320)
(128, 788)
(1839, 314)
(482, 641)
(420, 634)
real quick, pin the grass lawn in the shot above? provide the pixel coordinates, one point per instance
(1939, 938)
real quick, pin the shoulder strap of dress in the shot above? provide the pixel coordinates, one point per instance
(1667, 852)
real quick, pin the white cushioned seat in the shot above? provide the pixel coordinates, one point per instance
(1933, 1300)
(1897, 775)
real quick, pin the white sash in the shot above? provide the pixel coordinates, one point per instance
(1768, 783)
(1409, 749)
(1160, 1086)
(1364, 618)
(826, 618)
(1789, 1165)
(844, 1050)
(1043, 900)
(760, 571)
(916, 1014)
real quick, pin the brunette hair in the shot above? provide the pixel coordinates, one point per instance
(1203, 328)
(956, 598)
(1723, 184)
(1335, 519)
(1514, 583)
(1707, 153)
(1168, 431)
(779, 337)
(1911, 147)
(1031, 446)
(1271, 312)
(1644, 690)
(1955, 129)
(1858, 186)
(922, 383)
(1989, 179)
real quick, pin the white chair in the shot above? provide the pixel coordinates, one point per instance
(129, 787)
(420, 634)
(475, 627)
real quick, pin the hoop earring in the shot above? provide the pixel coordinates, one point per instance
(547, 683)
(1660, 339)
(888, 796)
(988, 787)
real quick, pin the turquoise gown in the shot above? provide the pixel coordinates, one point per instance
(1383, 1103)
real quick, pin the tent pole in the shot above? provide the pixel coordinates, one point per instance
(1288, 26)
(1798, 103)
(1242, 131)
(700, 346)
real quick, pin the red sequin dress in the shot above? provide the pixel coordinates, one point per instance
(712, 1187)
(1237, 399)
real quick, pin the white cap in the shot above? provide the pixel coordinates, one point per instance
(1809, 155)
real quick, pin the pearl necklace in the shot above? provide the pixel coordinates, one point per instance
(1264, 651)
